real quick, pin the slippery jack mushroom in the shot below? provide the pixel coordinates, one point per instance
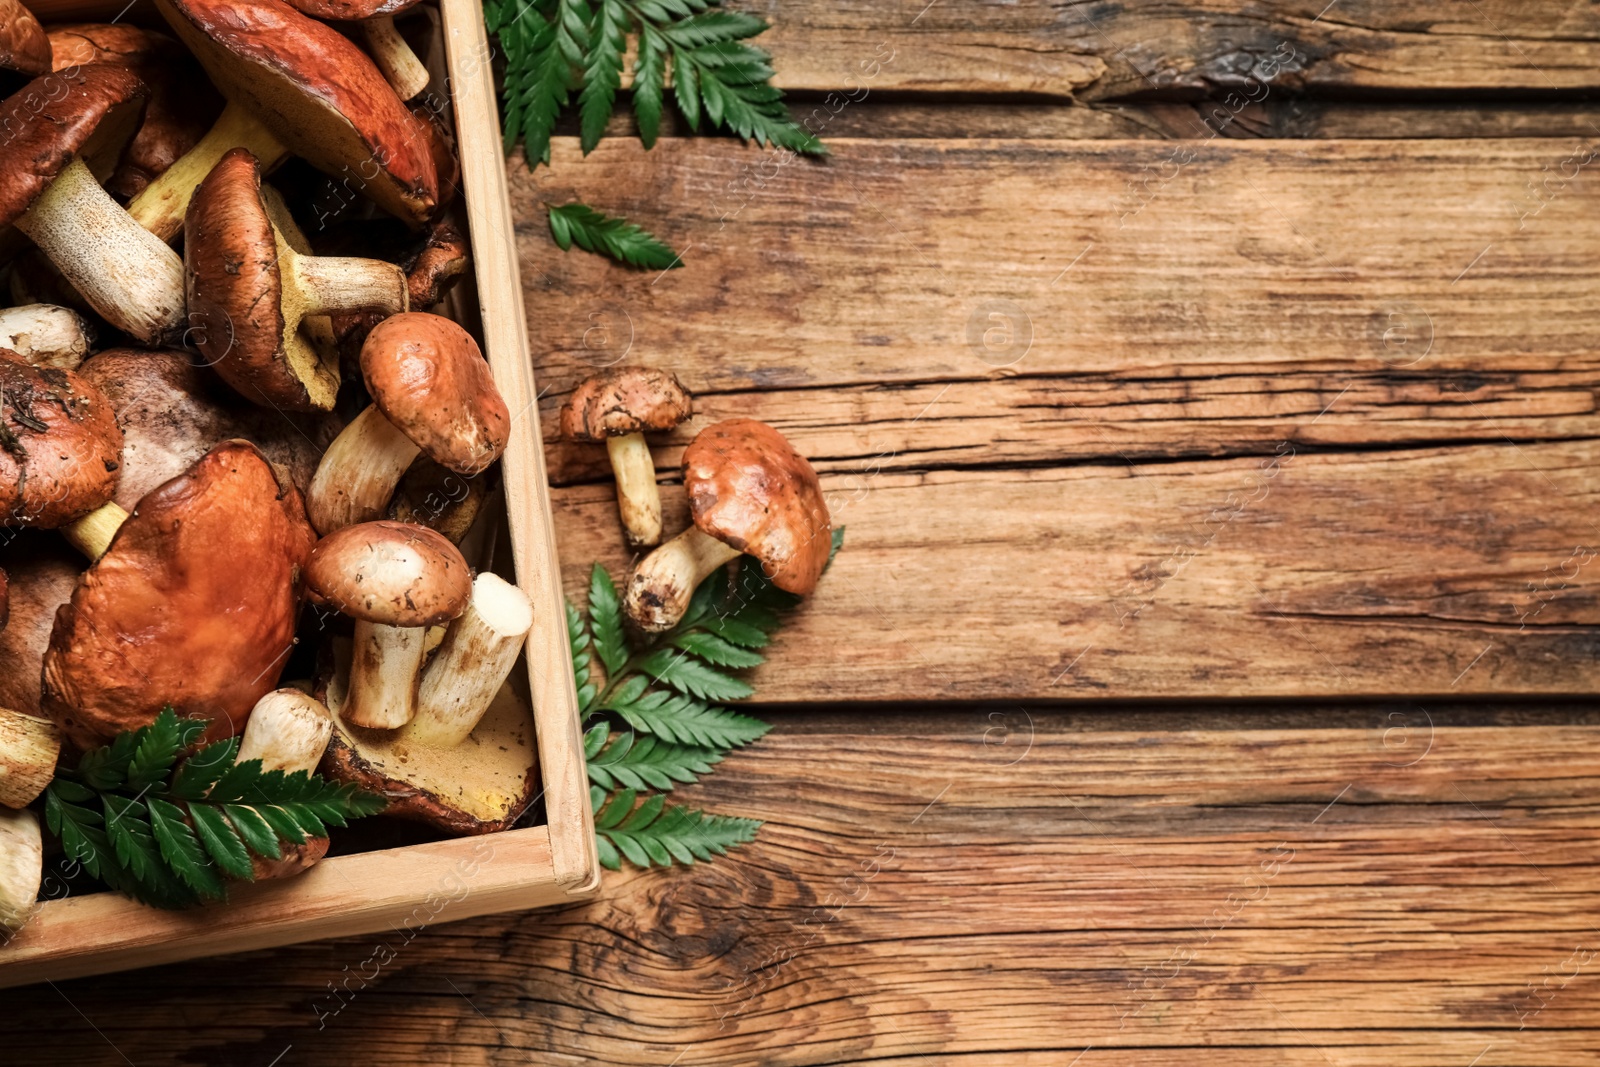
(395, 580)
(46, 335)
(431, 393)
(477, 655)
(619, 407)
(249, 290)
(750, 493)
(71, 128)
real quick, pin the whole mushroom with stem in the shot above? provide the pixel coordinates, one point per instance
(619, 406)
(750, 493)
(432, 393)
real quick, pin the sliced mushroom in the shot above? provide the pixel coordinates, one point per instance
(619, 407)
(46, 335)
(249, 290)
(60, 454)
(390, 51)
(317, 93)
(478, 787)
(194, 605)
(431, 393)
(24, 47)
(182, 103)
(21, 867)
(395, 580)
(28, 751)
(172, 411)
(288, 731)
(76, 124)
(472, 664)
(750, 493)
(42, 572)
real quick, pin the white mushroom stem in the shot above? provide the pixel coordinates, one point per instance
(160, 206)
(665, 580)
(28, 751)
(92, 533)
(46, 335)
(359, 472)
(21, 867)
(125, 272)
(638, 499)
(384, 665)
(477, 655)
(287, 731)
(400, 65)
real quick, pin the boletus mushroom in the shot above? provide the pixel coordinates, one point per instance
(46, 335)
(73, 127)
(194, 605)
(60, 454)
(29, 747)
(619, 406)
(750, 493)
(21, 867)
(42, 571)
(24, 46)
(481, 786)
(431, 393)
(389, 50)
(288, 731)
(395, 580)
(249, 291)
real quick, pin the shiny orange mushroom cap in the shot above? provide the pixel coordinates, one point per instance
(750, 489)
(624, 400)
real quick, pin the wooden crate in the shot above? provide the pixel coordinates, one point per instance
(399, 890)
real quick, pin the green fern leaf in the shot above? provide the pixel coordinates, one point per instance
(642, 761)
(181, 849)
(605, 621)
(604, 235)
(655, 834)
(689, 675)
(687, 721)
(649, 84)
(717, 651)
(602, 70)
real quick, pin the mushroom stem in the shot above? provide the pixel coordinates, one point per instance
(359, 472)
(125, 272)
(91, 534)
(478, 653)
(287, 731)
(400, 65)
(348, 283)
(159, 207)
(28, 751)
(21, 867)
(638, 500)
(384, 665)
(665, 580)
(46, 335)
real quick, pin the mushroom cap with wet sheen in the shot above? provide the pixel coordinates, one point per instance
(60, 449)
(24, 47)
(624, 400)
(391, 573)
(352, 10)
(428, 377)
(750, 489)
(194, 605)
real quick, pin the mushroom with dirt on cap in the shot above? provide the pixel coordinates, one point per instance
(70, 136)
(249, 290)
(432, 393)
(750, 493)
(395, 580)
(619, 407)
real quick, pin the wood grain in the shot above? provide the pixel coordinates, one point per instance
(991, 888)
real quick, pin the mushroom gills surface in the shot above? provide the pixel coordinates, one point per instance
(665, 580)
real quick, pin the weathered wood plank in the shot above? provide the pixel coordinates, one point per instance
(981, 889)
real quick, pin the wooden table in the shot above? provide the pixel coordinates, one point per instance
(1208, 390)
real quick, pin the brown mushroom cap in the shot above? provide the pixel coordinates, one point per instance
(173, 411)
(441, 260)
(750, 489)
(60, 449)
(23, 44)
(624, 400)
(5, 600)
(318, 93)
(428, 377)
(182, 107)
(91, 111)
(43, 571)
(393, 573)
(194, 605)
(351, 10)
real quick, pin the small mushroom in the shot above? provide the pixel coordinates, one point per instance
(182, 104)
(390, 51)
(21, 867)
(431, 269)
(194, 605)
(46, 335)
(60, 454)
(24, 47)
(42, 571)
(619, 407)
(317, 93)
(395, 580)
(431, 393)
(478, 787)
(438, 498)
(472, 664)
(750, 493)
(77, 122)
(288, 731)
(29, 748)
(172, 411)
(249, 291)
